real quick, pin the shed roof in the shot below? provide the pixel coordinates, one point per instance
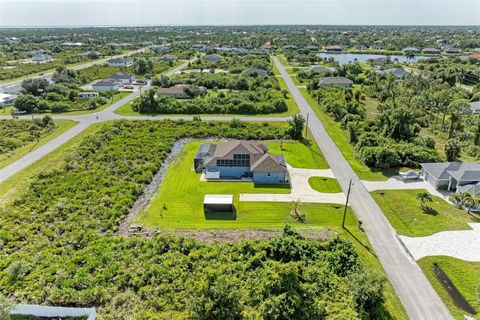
(218, 199)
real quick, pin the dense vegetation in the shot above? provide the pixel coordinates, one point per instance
(57, 245)
(234, 62)
(40, 97)
(18, 133)
(227, 93)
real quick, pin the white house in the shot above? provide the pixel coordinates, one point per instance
(120, 62)
(88, 95)
(41, 57)
(6, 99)
(106, 85)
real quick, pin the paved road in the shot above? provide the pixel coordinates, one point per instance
(105, 115)
(416, 293)
(7, 83)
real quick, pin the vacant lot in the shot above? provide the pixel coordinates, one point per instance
(403, 211)
(464, 276)
(18, 138)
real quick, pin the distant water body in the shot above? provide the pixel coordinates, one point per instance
(343, 58)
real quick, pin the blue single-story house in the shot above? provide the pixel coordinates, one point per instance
(241, 159)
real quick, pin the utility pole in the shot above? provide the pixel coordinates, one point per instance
(306, 127)
(346, 203)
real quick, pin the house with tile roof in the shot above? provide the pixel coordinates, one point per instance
(241, 160)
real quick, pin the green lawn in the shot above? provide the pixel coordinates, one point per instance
(323, 184)
(464, 275)
(340, 138)
(62, 126)
(299, 155)
(403, 211)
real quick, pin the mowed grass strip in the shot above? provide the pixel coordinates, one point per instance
(62, 126)
(339, 136)
(403, 211)
(300, 155)
(323, 184)
(179, 202)
(464, 275)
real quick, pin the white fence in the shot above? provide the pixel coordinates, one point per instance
(44, 311)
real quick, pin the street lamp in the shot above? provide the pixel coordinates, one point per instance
(346, 203)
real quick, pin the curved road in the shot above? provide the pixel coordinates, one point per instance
(414, 290)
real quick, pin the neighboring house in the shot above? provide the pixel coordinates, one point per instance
(6, 99)
(169, 57)
(255, 72)
(319, 69)
(267, 46)
(120, 62)
(237, 159)
(91, 54)
(88, 95)
(160, 49)
(212, 57)
(261, 50)
(122, 78)
(431, 51)
(335, 81)
(106, 85)
(475, 107)
(360, 47)
(451, 175)
(41, 57)
(334, 48)
(178, 91)
(377, 62)
(311, 47)
(289, 47)
(398, 72)
(453, 51)
(411, 50)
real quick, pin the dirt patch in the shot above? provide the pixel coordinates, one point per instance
(229, 236)
(452, 290)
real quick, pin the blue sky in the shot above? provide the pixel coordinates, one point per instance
(237, 12)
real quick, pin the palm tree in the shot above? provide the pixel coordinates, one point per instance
(470, 200)
(296, 211)
(424, 198)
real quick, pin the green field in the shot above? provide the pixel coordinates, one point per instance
(322, 184)
(403, 211)
(300, 155)
(464, 275)
(62, 126)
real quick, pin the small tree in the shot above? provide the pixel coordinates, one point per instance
(424, 198)
(452, 150)
(470, 200)
(296, 126)
(296, 211)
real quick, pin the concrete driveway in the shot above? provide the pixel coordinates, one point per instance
(300, 189)
(464, 244)
(396, 183)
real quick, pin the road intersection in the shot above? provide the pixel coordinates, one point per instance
(414, 290)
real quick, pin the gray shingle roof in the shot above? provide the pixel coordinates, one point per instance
(441, 170)
(252, 70)
(270, 163)
(334, 80)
